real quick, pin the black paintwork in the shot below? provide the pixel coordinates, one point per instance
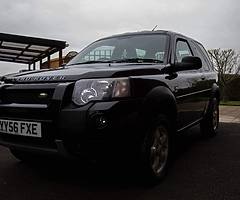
(182, 96)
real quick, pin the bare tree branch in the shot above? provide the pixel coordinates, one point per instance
(226, 63)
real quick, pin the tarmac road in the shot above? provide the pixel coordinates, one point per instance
(203, 169)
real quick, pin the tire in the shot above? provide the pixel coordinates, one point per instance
(157, 150)
(210, 122)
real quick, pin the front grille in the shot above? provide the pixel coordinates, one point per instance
(27, 96)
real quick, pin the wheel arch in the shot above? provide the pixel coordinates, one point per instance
(160, 100)
(215, 92)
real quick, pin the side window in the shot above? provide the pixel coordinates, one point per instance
(182, 50)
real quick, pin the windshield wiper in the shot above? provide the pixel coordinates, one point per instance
(91, 62)
(125, 60)
(137, 60)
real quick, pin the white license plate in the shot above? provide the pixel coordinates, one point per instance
(23, 128)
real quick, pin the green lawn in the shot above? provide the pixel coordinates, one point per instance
(230, 103)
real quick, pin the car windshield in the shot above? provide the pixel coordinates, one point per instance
(150, 48)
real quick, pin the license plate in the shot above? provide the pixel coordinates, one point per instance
(23, 128)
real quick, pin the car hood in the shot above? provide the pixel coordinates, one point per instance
(73, 73)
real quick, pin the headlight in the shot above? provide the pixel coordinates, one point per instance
(102, 89)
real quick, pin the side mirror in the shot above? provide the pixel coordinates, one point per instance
(188, 63)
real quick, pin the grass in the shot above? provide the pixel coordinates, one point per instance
(230, 103)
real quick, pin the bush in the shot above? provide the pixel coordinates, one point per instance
(232, 90)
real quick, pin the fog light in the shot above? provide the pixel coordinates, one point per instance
(101, 122)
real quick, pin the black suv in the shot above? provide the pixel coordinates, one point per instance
(124, 96)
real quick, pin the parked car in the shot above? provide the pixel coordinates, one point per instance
(124, 96)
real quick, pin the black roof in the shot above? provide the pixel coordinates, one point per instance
(27, 50)
(140, 33)
(145, 33)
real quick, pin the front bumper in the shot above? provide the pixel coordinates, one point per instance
(60, 150)
(71, 131)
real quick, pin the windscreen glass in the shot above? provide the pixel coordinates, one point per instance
(144, 48)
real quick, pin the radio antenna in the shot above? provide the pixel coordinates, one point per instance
(154, 28)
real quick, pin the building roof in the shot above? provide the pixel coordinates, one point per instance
(27, 50)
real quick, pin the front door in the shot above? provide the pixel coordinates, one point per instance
(189, 88)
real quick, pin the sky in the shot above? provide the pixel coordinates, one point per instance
(215, 23)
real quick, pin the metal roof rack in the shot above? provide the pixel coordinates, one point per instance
(29, 50)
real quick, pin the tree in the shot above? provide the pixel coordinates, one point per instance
(226, 63)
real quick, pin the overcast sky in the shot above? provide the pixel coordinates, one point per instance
(215, 23)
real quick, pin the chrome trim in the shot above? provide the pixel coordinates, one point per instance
(189, 94)
(18, 105)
